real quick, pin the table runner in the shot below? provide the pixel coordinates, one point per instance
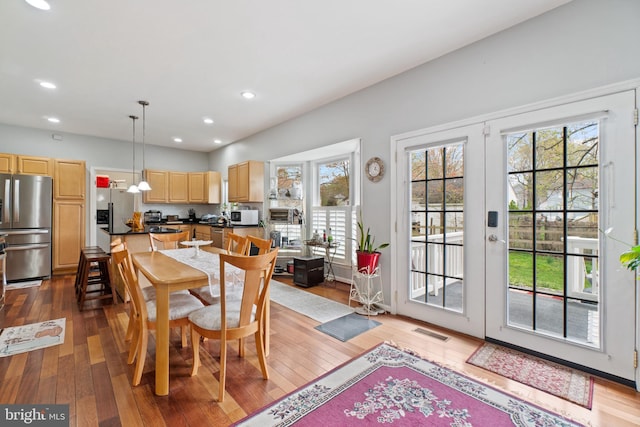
(208, 263)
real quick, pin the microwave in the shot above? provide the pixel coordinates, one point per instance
(244, 217)
(285, 215)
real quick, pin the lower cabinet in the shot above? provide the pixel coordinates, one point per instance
(68, 235)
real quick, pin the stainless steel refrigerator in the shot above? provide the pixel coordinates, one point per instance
(25, 219)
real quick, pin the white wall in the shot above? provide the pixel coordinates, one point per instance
(579, 46)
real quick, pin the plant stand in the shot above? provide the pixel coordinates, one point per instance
(366, 288)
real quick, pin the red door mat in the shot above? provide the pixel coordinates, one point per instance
(553, 378)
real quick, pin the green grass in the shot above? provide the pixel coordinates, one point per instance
(549, 271)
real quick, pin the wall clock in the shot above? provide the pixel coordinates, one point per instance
(374, 169)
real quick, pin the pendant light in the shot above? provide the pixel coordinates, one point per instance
(143, 185)
(133, 188)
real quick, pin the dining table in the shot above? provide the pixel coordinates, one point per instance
(167, 274)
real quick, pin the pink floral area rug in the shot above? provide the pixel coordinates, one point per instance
(389, 386)
(553, 378)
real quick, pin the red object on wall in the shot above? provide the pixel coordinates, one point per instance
(102, 181)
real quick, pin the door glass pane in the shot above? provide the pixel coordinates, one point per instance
(437, 226)
(553, 238)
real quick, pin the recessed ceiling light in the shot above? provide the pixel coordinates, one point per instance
(47, 85)
(208, 121)
(177, 140)
(39, 4)
(217, 141)
(53, 119)
(247, 94)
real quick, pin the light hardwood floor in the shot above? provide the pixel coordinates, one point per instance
(89, 371)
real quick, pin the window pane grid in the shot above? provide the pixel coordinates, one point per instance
(437, 226)
(553, 223)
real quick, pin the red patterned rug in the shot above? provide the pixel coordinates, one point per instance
(390, 386)
(562, 381)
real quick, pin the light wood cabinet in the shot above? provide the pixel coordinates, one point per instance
(183, 187)
(198, 187)
(69, 193)
(246, 181)
(202, 232)
(214, 187)
(232, 183)
(32, 165)
(178, 187)
(68, 234)
(7, 163)
(159, 183)
(69, 179)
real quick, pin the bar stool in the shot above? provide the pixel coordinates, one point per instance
(94, 277)
(81, 267)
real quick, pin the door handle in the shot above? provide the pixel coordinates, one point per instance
(25, 248)
(494, 238)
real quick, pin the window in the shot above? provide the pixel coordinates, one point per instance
(332, 210)
(437, 226)
(553, 229)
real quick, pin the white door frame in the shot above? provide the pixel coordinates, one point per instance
(617, 331)
(397, 198)
(471, 319)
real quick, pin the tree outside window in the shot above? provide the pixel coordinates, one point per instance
(333, 180)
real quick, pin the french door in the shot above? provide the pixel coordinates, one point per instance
(440, 254)
(562, 187)
(511, 229)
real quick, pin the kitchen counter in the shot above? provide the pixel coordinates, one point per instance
(123, 230)
(233, 226)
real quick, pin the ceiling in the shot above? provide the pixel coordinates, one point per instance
(191, 60)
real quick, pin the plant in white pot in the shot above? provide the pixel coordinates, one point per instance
(367, 254)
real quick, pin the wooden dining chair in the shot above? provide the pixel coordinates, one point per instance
(236, 243)
(144, 313)
(233, 318)
(161, 241)
(263, 245)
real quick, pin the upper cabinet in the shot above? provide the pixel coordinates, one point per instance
(7, 163)
(246, 182)
(69, 179)
(178, 187)
(213, 188)
(183, 187)
(159, 183)
(205, 187)
(32, 165)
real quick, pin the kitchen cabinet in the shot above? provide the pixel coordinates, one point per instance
(69, 179)
(246, 181)
(183, 187)
(178, 187)
(69, 193)
(32, 165)
(214, 187)
(7, 163)
(202, 232)
(68, 234)
(197, 187)
(159, 183)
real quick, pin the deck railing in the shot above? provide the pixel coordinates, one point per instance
(428, 258)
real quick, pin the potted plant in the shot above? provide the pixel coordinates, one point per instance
(367, 254)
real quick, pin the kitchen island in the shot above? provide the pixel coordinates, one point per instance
(137, 241)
